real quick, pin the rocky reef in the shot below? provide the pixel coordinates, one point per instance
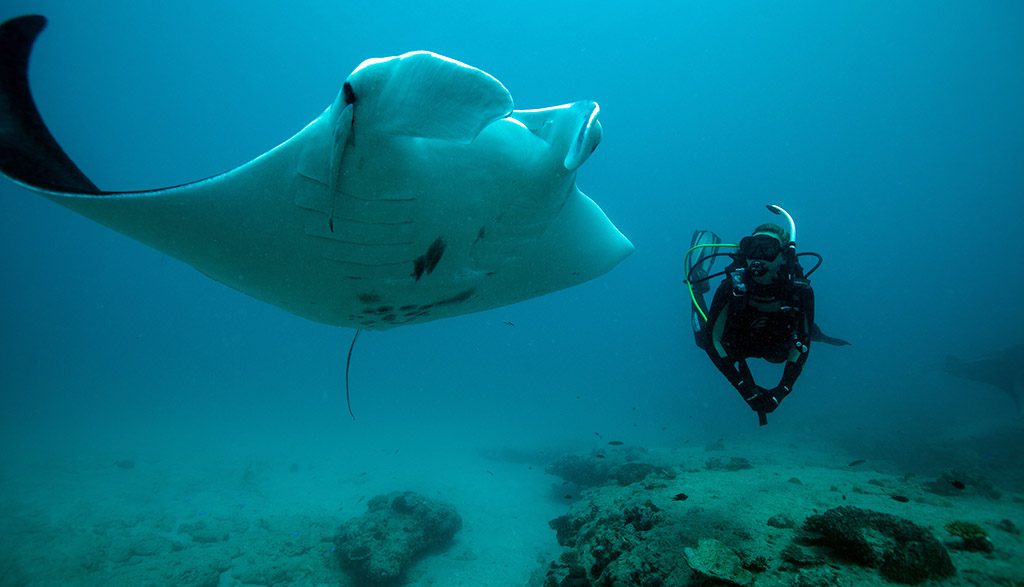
(972, 537)
(396, 530)
(622, 465)
(903, 551)
(617, 537)
(686, 526)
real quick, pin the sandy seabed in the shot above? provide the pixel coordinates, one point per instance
(211, 518)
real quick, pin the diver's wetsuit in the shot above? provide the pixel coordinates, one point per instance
(766, 323)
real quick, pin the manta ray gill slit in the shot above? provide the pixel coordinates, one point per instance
(350, 98)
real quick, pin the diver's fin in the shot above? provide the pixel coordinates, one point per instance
(699, 273)
(818, 336)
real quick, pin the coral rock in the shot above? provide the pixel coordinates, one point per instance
(716, 562)
(903, 551)
(397, 529)
(781, 521)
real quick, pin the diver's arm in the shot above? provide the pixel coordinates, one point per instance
(801, 347)
(789, 376)
(735, 370)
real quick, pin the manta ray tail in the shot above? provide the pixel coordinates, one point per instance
(348, 365)
(28, 152)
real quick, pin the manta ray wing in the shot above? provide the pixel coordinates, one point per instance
(416, 195)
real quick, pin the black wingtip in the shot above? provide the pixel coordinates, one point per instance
(28, 152)
(18, 34)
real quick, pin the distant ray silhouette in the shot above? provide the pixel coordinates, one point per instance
(1004, 370)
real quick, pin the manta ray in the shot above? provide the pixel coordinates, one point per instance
(1003, 370)
(418, 194)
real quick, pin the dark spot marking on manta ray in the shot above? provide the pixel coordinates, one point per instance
(350, 94)
(857, 462)
(480, 234)
(426, 262)
(370, 298)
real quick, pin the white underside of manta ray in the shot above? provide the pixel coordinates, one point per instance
(418, 194)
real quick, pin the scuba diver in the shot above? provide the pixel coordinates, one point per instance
(764, 308)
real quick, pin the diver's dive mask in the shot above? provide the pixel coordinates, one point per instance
(761, 252)
(761, 247)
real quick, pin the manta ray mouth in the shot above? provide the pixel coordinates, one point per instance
(588, 137)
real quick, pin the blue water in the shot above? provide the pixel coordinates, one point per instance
(893, 132)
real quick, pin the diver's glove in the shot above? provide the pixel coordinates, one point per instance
(780, 391)
(758, 398)
(766, 400)
(747, 388)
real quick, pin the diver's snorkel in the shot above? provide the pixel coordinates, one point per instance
(776, 209)
(758, 268)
